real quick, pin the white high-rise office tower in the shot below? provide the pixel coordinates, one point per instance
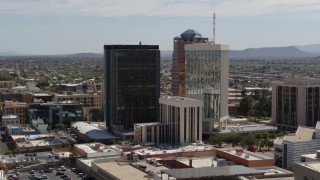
(206, 79)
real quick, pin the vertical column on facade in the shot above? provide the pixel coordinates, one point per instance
(144, 134)
(187, 125)
(194, 121)
(200, 124)
(181, 120)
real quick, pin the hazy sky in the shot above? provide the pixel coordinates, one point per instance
(72, 26)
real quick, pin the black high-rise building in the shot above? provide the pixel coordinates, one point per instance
(132, 85)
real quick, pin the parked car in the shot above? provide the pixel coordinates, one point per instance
(59, 173)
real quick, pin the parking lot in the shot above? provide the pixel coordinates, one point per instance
(51, 176)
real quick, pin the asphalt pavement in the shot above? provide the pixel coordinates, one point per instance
(51, 176)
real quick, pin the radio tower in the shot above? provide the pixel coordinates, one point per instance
(214, 28)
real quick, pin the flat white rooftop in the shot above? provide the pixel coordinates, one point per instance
(199, 162)
(245, 154)
(92, 148)
(152, 151)
(249, 128)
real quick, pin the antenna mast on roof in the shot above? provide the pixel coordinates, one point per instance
(214, 28)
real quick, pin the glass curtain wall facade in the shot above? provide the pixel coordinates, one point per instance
(178, 59)
(207, 67)
(132, 85)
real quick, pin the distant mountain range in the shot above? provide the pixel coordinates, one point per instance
(290, 51)
(10, 53)
(272, 52)
(312, 50)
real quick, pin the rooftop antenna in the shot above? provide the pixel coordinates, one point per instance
(214, 28)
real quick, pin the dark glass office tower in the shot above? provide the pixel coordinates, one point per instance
(132, 85)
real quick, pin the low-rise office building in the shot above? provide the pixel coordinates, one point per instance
(180, 123)
(94, 150)
(25, 130)
(10, 120)
(243, 157)
(53, 113)
(288, 149)
(91, 133)
(39, 125)
(15, 108)
(307, 171)
(31, 143)
(102, 170)
(87, 100)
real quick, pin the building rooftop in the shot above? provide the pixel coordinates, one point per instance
(38, 140)
(302, 134)
(92, 131)
(96, 147)
(198, 162)
(153, 151)
(177, 100)
(210, 172)
(9, 117)
(24, 128)
(122, 171)
(314, 165)
(148, 124)
(248, 128)
(191, 32)
(149, 47)
(245, 154)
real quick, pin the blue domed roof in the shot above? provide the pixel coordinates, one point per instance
(190, 32)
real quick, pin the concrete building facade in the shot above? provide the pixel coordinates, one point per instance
(206, 78)
(15, 108)
(180, 123)
(296, 102)
(87, 100)
(12, 120)
(183, 117)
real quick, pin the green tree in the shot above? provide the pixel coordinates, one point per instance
(59, 126)
(246, 104)
(249, 140)
(7, 152)
(65, 145)
(217, 139)
(43, 84)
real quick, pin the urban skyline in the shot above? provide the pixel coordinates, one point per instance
(54, 27)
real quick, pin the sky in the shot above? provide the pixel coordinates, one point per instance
(74, 26)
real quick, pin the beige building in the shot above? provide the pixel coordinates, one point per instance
(180, 122)
(87, 100)
(94, 150)
(307, 171)
(15, 108)
(146, 133)
(7, 84)
(104, 170)
(296, 102)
